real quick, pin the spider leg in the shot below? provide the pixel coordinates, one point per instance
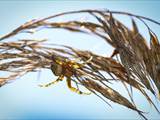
(59, 62)
(60, 78)
(87, 61)
(77, 65)
(74, 89)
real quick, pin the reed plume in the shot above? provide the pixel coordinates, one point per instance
(137, 66)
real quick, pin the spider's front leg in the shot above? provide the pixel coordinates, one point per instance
(78, 65)
(74, 89)
(87, 61)
(60, 78)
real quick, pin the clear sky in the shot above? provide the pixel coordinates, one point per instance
(24, 99)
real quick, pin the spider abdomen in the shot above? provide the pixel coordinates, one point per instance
(56, 69)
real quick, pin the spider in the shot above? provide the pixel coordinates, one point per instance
(65, 68)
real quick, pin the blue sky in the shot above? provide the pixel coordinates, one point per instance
(24, 99)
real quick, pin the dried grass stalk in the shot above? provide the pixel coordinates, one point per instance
(138, 67)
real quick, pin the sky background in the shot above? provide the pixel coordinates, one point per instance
(23, 99)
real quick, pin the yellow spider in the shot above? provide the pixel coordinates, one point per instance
(65, 69)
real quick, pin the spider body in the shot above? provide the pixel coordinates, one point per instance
(65, 68)
(56, 69)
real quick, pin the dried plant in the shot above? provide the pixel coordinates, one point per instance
(138, 65)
